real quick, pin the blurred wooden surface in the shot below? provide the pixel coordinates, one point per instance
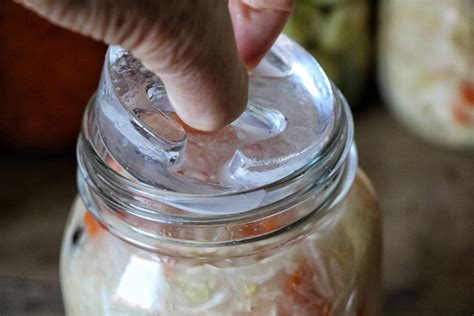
(29, 297)
(427, 196)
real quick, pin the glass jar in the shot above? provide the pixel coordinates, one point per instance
(426, 68)
(298, 235)
(321, 26)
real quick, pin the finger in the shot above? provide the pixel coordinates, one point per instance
(257, 24)
(189, 44)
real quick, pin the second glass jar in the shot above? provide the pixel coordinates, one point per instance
(426, 68)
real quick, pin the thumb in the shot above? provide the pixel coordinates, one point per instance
(189, 44)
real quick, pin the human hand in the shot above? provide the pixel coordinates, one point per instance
(190, 44)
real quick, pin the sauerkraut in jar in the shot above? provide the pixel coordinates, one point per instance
(268, 216)
(337, 33)
(426, 65)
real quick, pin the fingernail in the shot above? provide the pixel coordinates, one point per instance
(277, 5)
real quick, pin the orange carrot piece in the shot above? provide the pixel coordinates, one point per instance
(249, 230)
(91, 224)
(270, 224)
(300, 287)
(460, 115)
(295, 279)
(260, 227)
(467, 92)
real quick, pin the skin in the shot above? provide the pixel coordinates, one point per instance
(200, 49)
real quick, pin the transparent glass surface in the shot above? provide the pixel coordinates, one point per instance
(333, 269)
(426, 68)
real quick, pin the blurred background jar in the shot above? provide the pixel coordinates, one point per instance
(426, 67)
(338, 34)
(47, 75)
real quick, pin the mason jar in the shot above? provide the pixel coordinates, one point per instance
(338, 34)
(268, 216)
(426, 68)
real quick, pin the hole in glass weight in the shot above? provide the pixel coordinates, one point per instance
(206, 157)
